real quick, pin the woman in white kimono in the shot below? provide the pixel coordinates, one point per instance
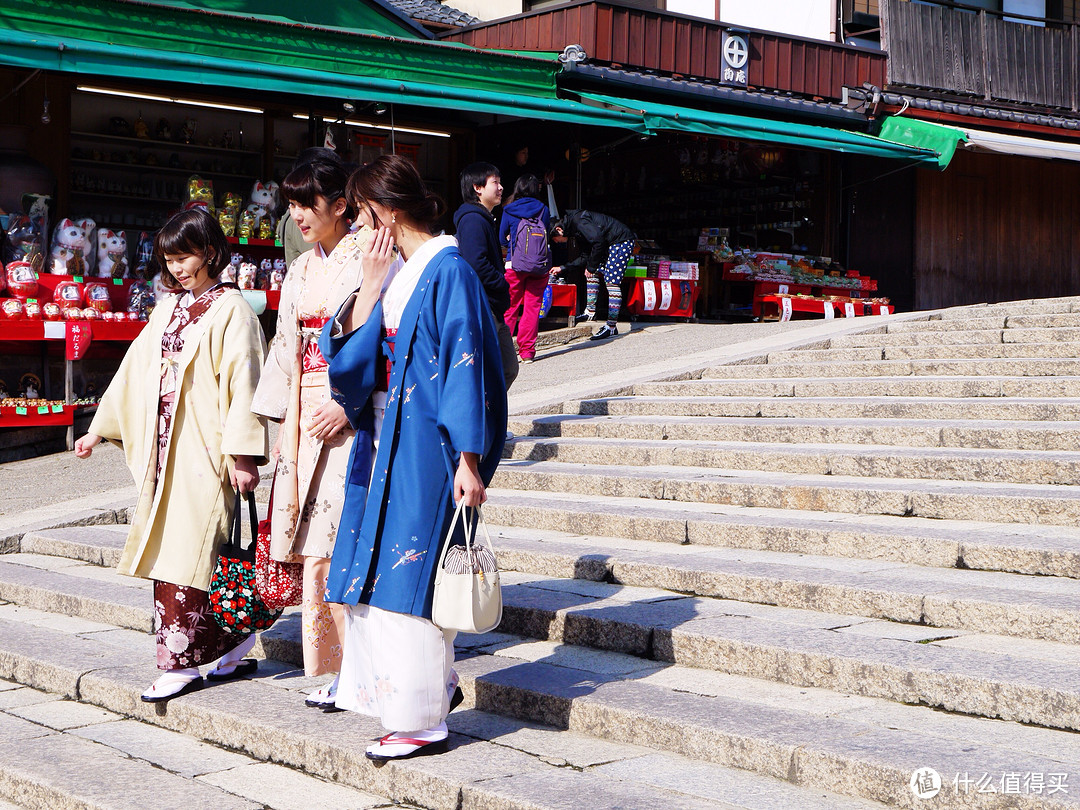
(440, 437)
(180, 406)
(315, 438)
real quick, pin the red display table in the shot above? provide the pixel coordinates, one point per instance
(671, 298)
(773, 306)
(564, 295)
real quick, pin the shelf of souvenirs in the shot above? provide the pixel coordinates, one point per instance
(777, 306)
(117, 324)
(155, 143)
(807, 272)
(19, 412)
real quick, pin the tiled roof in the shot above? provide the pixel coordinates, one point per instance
(434, 11)
(971, 110)
(696, 91)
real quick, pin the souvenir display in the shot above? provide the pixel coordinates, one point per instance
(12, 309)
(246, 276)
(51, 311)
(32, 310)
(247, 227)
(264, 200)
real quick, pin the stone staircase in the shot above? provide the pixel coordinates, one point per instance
(792, 582)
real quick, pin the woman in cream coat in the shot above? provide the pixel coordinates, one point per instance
(180, 407)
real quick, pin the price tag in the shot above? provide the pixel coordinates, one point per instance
(118, 282)
(648, 289)
(57, 408)
(830, 313)
(21, 411)
(849, 310)
(31, 300)
(277, 242)
(785, 309)
(77, 279)
(883, 309)
(665, 295)
(55, 330)
(783, 289)
(243, 240)
(43, 409)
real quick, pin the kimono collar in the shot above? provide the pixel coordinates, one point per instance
(401, 288)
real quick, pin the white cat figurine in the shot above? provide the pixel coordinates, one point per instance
(112, 253)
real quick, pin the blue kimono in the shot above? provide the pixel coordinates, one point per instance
(446, 395)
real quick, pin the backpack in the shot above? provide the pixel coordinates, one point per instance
(531, 255)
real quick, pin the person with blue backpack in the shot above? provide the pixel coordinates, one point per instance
(523, 230)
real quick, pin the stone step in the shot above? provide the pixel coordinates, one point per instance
(859, 460)
(1060, 367)
(976, 545)
(960, 433)
(945, 339)
(943, 667)
(979, 351)
(1063, 319)
(1012, 409)
(957, 500)
(61, 754)
(988, 320)
(494, 763)
(1035, 306)
(869, 386)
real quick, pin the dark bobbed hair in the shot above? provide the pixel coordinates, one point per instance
(194, 233)
(528, 185)
(315, 154)
(476, 174)
(320, 176)
(393, 182)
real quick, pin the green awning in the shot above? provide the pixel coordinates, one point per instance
(116, 38)
(661, 117)
(924, 134)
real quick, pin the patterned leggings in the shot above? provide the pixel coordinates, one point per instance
(612, 271)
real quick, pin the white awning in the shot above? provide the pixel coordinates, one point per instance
(981, 140)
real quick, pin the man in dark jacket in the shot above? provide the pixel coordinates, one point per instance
(606, 246)
(475, 224)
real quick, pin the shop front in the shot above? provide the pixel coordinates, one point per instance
(127, 112)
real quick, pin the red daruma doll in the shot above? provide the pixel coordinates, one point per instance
(21, 279)
(68, 294)
(97, 297)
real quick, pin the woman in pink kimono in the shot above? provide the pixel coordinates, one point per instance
(315, 439)
(180, 407)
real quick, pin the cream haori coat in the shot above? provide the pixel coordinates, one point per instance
(175, 538)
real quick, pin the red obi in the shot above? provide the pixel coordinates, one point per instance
(313, 359)
(386, 357)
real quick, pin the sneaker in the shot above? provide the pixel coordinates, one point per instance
(605, 331)
(525, 360)
(584, 316)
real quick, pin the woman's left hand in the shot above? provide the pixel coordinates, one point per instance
(245, 474)
(327, 421)
(468, 486)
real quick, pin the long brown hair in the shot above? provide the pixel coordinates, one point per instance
(393, 182)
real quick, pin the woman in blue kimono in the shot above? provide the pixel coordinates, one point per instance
(438, 442)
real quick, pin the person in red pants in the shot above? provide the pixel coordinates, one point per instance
(523, 230)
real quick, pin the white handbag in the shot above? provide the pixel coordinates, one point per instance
(468, 597)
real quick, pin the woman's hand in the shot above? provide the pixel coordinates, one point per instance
(275, 451)
(327, 422)
(378, 257)
(85, 446)
(468, 485)
(245, 474)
